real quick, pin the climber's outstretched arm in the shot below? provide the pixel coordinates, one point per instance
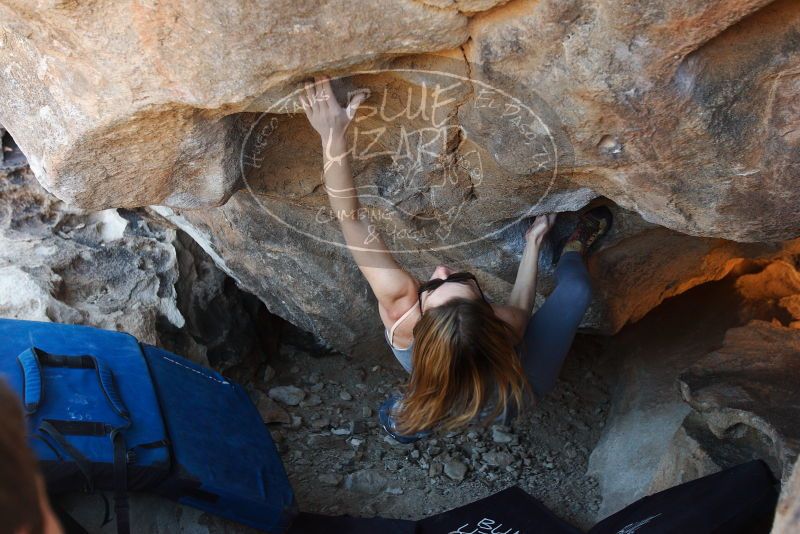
(517, 312)
(394, 288)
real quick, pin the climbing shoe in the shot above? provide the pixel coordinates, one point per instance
(592, 225)
(385, 414)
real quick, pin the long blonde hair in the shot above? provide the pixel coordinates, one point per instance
(463, 353)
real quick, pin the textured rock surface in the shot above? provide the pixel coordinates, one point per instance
(656, 114)
(685, 112)
(744, 406)
(787, 516)
(663, 116)
(746, 392)
(653, 439)
(143, 117)
(646, 408)
(319, 288)
(107, 269)
(693, 452)
(774, 292)
(119, 270)
(225, 327)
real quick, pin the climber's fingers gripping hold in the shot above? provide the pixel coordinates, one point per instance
(311, 96)
(306, 106)
(325, 94)
(356, 101)
(540, 227)
(324, 112)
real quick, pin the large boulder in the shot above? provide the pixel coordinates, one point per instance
(124, 104)
(119, 270)
(119, 104)
(743, 406)
(746, 392)
(482, 114)
(111, 269)
(696, 392)
(684, 112)
(318, 286)
(645, 360)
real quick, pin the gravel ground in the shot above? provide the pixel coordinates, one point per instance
(339, 461)
(324, 413)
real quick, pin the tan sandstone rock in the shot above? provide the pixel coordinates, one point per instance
(130, 103)
(686, 114)
(683, 115)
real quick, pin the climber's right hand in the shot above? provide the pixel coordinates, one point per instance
(324, 113)
(541, 225)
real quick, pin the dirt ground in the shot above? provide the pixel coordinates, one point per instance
(340, 461)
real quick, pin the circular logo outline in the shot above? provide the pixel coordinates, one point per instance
(527, 213)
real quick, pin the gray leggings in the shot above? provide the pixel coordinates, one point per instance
(552, 328)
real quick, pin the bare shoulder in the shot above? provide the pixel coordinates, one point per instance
(404, 332)
(393, 311)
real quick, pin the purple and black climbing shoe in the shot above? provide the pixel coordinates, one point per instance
(592, 225)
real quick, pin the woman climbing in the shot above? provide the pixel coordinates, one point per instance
(462, 352)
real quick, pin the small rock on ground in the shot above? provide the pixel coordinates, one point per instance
(365, 481)
(289, 395)
(501, 436)
(330, 479)
(455, 470)
(271, 412)
(497, 458)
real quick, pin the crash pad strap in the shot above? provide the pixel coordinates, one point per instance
(121, 507)
(77, 456)
(32, 361)
(81, 428)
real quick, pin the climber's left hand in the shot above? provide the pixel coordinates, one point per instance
(324, 113)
